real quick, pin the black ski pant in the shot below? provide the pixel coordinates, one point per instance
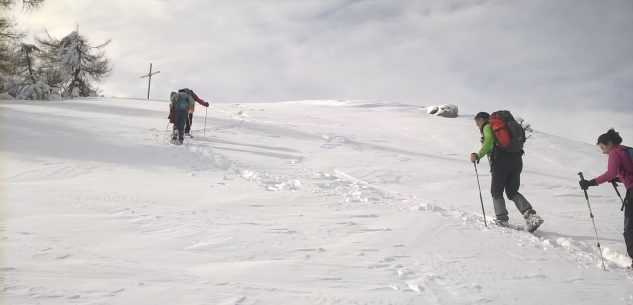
(628, 221)
(180, 119)
(188, 123)
(506, 176)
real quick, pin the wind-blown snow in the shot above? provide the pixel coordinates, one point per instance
(319, 202)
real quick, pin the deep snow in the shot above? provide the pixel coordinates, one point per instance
(308, 202)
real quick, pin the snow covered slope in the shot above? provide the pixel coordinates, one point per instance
(310, 202)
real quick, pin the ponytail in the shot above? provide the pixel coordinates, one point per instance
(610, 136)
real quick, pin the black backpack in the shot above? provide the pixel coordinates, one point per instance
(629, 151)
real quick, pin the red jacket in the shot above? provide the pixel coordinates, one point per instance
(198, 100)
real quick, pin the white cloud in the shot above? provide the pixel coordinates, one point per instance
(477, 54)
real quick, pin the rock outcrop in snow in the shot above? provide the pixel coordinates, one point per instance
(447, 111)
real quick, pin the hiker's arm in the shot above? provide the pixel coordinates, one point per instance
(489, 142)
(612, 168)
(198, 100)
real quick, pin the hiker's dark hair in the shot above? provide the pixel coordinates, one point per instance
(483, 115)
(610, 136)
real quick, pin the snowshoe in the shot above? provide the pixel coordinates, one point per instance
(507, 225)
(532, 222)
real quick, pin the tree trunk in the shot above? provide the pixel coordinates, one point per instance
(28, 61)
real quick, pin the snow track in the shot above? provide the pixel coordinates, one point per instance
(302, 203)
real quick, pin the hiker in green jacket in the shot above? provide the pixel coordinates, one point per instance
(487, 139)
(505, 168)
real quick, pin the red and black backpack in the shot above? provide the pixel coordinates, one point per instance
(509, 134)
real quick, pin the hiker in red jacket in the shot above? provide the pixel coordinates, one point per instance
(619, 168)
(192, 109)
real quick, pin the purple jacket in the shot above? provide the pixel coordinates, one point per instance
(620, 165)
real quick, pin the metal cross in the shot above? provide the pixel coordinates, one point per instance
(149, 83)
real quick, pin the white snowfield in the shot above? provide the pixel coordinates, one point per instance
(310, 202)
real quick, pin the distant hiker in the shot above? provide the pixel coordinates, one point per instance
(506, 165)
(192, 109)
(619, 169)
(179, 105)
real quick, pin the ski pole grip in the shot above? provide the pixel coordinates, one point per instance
(582, 177)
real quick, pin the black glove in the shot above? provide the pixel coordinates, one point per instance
(206, 104)
(585, 184)
(474, 158)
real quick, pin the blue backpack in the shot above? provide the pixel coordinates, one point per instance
(181, 101)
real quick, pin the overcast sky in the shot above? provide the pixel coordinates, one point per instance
(537, 57)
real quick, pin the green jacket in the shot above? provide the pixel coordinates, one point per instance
(489, 141)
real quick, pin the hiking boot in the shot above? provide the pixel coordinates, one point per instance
(501, 223)
(532, 221)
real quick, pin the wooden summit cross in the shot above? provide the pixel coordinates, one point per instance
(149, 83)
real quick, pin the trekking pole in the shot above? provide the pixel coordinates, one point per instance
(165, 134)
(615, 186)
(204, 131)
(480, 198)
(594, 223)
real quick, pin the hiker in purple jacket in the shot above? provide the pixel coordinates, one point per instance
(619, 169)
